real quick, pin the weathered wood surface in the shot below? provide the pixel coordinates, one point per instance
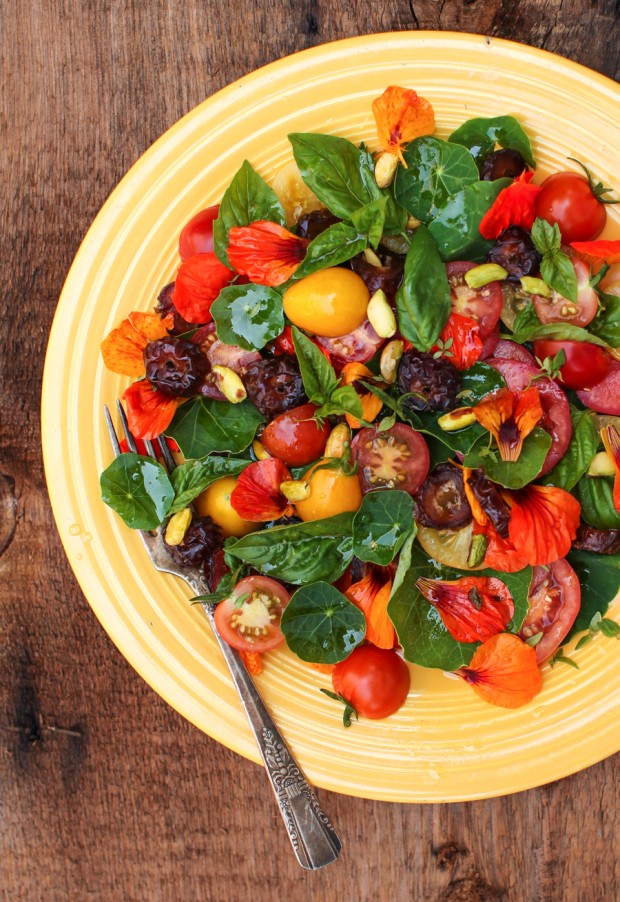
(105, 792)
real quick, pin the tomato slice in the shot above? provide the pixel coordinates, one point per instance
(555, 599)
(604, 397)
(556, 420)
(358, 346)
(295, 437)
(197, 235)
(375, 681)
(512, 350)
(558, 309)
(483, 304)
(586, 364)
(254, 623)
(397, 458)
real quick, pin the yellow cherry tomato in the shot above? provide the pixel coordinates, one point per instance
(215, 503)
(331, 492)
(331, 302)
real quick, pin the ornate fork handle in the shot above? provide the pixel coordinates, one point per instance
(314, 840)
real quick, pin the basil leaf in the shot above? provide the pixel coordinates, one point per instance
(343, 399)
(423, 298)
(456, 227)
(481, 135)
(580, 452)
(606, 323)
(318, 376)
(511, 474)
(321, 625)
(547, 238)
(301, 552)
(138, 489)
(559, 273)
(247, 199)
(477, 382)
(248, 315)
(370, 219)
(435, 171)
(395, 216)
(526, 322)
(381, 525)
(599, 577)
(338, 243)
(404, 559)
(203, 426)
(557, 331)
(595, 494)
(192, 478)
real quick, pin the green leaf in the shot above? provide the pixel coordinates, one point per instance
(343, 399)
(527, 329)
(337, 244)
(138, 489)
(248, 315)
(404, 559)
(423, 298)
(547, 238)
(511, 474)
(610, 628)
(456, 228)
(580, 452)
(559, 273)
(300, 552)
(595, 494)
(435, 171)
(370, 219)
(481, 135)
(318, 376)
(477, 382)
(599, 576)
(461, 440)
(606, 323)
(202, 426)
(525, 322)
(321, 625)
(247, 199)
(192, 478)
(381, 525)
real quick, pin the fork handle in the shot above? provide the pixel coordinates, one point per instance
(314, 840)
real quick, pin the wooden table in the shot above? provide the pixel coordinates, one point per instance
(105, 792)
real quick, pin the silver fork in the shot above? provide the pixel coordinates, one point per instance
(314, 840)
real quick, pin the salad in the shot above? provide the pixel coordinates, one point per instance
(391, 381)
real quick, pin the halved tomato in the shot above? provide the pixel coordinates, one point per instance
(358, 346)
(555, 599)
(558, 309)
(249, 620)
(482, 304)
(604, 397)
(512, 350)
(585, 364)
(397, 458)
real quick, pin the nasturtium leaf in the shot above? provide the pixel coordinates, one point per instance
(203, 426)
(599, 576)
(511, 474)
(482, 134)
(337, 244)
(581, 450)
(193, 477)
(478, 381)
(435, 171)
(138, 489)
(321, 625)
(248, 315)
(595, 494)
(423, 298)
(456, 227)
(381, 525)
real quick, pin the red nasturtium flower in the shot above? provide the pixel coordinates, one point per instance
(123, 349)
(149, 410)
(265, 252)
(611, 440)
(461, 339)
(513, 205)
(600, 251)
(371, 595)
(199, 281)
(472, 608)
(503, 671)
(510, 416)
(257, 496)
(401, 115)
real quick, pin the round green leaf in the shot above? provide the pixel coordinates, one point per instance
(321, 625)
(138, 489)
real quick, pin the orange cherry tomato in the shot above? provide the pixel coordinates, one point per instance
(330, 302)
(215, 503)
(332, 492)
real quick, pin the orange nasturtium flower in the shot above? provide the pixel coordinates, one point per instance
(149, 410)
(123, 349)
(600, 251)
(401, 115)
(371, 404)
(611, 440)
(265, 252)
(472, 608)
(371, 595)
(257, 496)
(513, 205)
(510, 416)
(503, 671)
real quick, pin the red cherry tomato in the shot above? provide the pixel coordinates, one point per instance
(605, 396)
(556, 420)
(490, 343)
(197, 235)
(558, 309)
(395, 459)
(358, 346)
(566, 198)
(586, 364)
(253, 624)
(375, 681)
(295, 437)
(483, 304)
(555, 599)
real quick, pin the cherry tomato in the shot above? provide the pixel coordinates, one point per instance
(330, 302)
(375, 681)
(215, 503)
(604, 397)
(489, 345)
(295, 437)
(331, 492)
(395, 459)
(254, 624)
(566, 198)
(483, 304)
(586, 364)
(556, 419)
(558, 309)
(555, 599)
(197, 235)
(358, 346)
(511, 350)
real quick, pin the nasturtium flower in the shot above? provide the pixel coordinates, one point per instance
(504, 672)
(600, 251)
(257, 497)
(265, 252)
(149, 410)
(123, 349)
(401, 115)
(472, 608)
(513, 206)
(510, 416)
(198, 282)
(352, 373)
(371, 595)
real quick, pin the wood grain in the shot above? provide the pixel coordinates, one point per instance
(105, 792)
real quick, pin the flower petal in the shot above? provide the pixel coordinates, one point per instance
(501, 553)
(371, 596)
(510, 416)
(265, 252)
(598, 251)
(472, 608)
(123, 348)
(401, 115)
(504, 671)
(611, 440)
(461, 338)
(513, 205)
(149, 411)
(199, 281)
(543, 522)
(371, 404)
(257, 496)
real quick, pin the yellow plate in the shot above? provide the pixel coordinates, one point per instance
(445, 744)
